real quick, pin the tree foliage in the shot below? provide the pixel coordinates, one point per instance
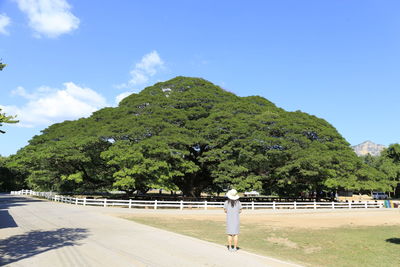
(3, 117)
(386, 168)
(188, 134)
(6, 119)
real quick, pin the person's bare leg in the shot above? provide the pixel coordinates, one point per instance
(229, 241)
(235, 241)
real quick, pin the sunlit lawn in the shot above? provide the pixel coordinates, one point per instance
(343, 246)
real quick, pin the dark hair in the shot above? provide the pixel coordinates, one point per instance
(232, 202)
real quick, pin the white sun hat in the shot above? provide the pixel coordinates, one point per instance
(232, 194)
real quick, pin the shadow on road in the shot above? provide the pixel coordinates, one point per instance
(6, 220)
(26, 245)
(7, 201)
(393, 240)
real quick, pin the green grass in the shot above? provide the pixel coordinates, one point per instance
(343, 246)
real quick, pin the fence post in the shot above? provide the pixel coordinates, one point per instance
(181, 205)
(295, 205)
(273, 205)
(76, 201)
(333, 205)
(349, 204)
(155, 204)
(315, 204)
(105, 202)
(252, 205)
(366, 204)
(205, 204)
(130, 203)
(84, 201)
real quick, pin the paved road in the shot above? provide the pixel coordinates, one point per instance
(42, 233)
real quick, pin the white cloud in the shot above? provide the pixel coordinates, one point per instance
(20, 91)
(150, 63)
(4, 22)
(148, 66)
(50, 18)
(119, 97)
(50, 105)
(138, 77)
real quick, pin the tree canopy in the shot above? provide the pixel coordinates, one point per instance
(188, 134)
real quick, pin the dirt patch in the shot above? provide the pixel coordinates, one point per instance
(310, 250)
(297, 220)
(282, 241)
(327, 220)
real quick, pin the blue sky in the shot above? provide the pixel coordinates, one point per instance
(338, 60)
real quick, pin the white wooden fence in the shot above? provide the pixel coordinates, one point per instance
(156, 204)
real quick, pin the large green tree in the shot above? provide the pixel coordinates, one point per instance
(188, 134)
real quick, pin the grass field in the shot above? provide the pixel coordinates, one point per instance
(334, 246)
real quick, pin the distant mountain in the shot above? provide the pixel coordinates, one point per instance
(368, 147)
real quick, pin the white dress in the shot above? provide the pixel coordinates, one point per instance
(232, 217)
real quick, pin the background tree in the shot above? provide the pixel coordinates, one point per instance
(3, 117)
(388, 164)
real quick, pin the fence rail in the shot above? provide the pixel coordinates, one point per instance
(155, 204)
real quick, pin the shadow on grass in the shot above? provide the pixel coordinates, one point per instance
(18, 247)
(393, 240)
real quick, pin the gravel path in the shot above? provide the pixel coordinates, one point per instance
(42, 233)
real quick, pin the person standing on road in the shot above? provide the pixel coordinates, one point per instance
(232, 208)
